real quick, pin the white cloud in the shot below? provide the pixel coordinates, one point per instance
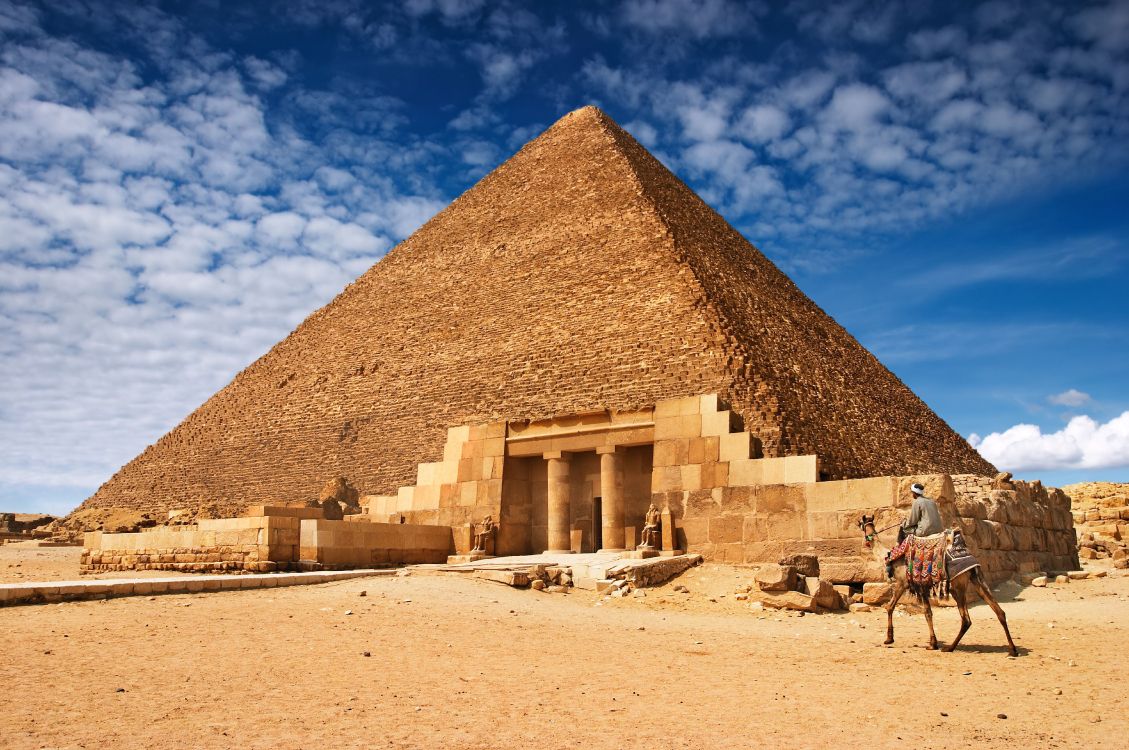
(699, 18)
(156, 236)
(856, 106)
(929, 43)
(1070, 397)
(761, 123)
(1082, 444)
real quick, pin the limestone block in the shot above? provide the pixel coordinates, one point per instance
(665, 408)
(695, 529)
(716, 424)
(851, 570)
(736, 446)
(786, 525)
(772, 470)
(691, 476)
(877, 593)
(754, 529)
(780, 499)
(746, 472)
(822, 593)
(828, 496)
(801, 469)
(832, 525)
(687, 426)
(726, 529)
(792, 600)
(708, 403)
(666, 479)
(775, 578)
(672, 452)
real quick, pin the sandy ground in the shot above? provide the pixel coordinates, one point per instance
(448, 661)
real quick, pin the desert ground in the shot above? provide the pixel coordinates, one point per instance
(426, 660)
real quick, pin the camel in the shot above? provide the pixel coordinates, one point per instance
(958, 588)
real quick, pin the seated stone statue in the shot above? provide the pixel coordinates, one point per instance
(651, 529)
(482, 534)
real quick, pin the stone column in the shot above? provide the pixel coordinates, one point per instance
(611, 492)
(560, 505)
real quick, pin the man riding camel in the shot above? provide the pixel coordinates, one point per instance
(924, 519)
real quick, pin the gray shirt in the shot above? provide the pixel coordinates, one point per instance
(924, 518)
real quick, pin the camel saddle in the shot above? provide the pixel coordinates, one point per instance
(931, 561)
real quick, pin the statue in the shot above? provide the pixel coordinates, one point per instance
(651, 529)
(482, 534)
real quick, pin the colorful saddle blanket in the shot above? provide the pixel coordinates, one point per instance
(925, 562)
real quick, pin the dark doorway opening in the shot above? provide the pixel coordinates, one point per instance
(597, 524)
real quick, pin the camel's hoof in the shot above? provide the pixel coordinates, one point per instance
(948, 649)
(887, 642)
(1013, 652)
(932, 646)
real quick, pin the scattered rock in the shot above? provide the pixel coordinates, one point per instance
(538, 585)
(805, 565)
(877, 593)
(1001, 716)
(860, 607)
(1078, 575)
(776, 578)
(1040, 581)
(792, 600)
(1062, 579)
(823, 593)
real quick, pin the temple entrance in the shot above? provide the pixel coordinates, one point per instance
(574, 501)
(597, 524)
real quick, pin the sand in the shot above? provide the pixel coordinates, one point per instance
(453, 662)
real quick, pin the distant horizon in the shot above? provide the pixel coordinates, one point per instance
(181, 186)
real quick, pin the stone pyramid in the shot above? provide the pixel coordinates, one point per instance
(579, 275)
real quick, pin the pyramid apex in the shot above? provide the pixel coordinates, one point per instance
(588, 112)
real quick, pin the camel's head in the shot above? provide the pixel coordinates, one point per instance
(866, 523)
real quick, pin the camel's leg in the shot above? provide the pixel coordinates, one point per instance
(899, 589)
(986, 595)
(958, 588)
(929, 621)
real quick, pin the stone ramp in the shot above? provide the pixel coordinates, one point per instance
(46, 592)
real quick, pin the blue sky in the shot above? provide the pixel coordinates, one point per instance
(182, 183)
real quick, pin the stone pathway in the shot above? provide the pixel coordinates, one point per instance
(58, 591)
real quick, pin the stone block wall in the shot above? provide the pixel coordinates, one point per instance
(370, 544)
(1024, 528)
(699, 445)
(257, 543)
(1016, 527)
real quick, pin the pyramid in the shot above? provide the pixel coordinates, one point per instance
(579, 275)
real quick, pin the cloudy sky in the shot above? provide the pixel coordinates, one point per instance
(181, 183)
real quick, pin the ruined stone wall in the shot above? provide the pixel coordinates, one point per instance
(256, 544)
(1020, 528)
(1101, 516)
